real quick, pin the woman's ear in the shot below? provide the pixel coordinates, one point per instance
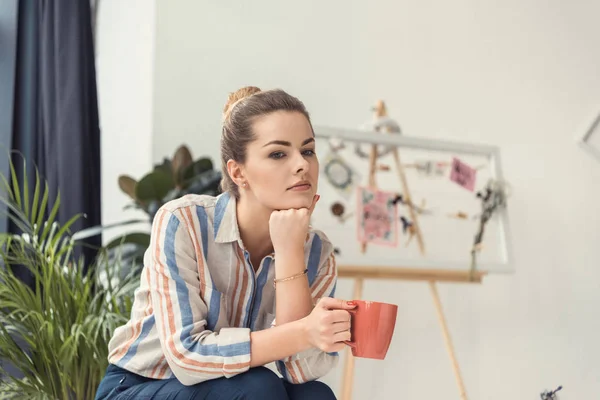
(235, 172)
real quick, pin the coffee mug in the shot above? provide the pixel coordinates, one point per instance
(372, 327)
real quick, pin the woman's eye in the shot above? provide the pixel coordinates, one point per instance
(277, 155)
(308, 152)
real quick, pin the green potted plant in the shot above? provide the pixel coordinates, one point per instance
(168, 180)
(55, 332)
(171, 179)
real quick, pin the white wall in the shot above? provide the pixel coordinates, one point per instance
(521, 75)
(125, 67)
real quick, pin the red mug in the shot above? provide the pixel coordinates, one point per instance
(372, 327)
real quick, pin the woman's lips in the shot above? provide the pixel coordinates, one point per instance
(300, 188)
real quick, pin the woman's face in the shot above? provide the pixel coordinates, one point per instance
(281, 168)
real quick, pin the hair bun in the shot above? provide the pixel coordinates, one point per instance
(238, 95)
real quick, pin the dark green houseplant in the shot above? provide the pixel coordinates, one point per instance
(55, 332)
(171, 179)
(168, 180)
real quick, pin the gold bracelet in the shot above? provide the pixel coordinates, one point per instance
(289, 278)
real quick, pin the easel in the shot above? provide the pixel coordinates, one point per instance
(360, 273)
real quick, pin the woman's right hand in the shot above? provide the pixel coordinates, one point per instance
(328, 325)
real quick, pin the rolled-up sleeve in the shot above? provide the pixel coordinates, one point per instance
(193, 352)
(314, 363)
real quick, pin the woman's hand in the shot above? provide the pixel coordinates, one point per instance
(328, 325)
(288, 228)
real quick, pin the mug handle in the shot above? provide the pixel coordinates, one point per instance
(349, 342)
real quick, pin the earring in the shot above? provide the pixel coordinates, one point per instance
(244, 184)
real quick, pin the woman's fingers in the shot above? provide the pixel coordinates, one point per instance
(341, 326)
(340, 316)
(342, 336)
(330, 303)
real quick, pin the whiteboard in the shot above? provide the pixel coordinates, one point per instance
(375, 226)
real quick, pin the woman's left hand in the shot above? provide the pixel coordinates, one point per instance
(288, 228)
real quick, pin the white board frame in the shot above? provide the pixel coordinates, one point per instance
(584, 140)
(489, 151)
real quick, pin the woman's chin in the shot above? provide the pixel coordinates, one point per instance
(292, 203)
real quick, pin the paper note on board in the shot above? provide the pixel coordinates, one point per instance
(377, 217)
(463, 174)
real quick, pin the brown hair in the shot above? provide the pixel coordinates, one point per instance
(241, 109)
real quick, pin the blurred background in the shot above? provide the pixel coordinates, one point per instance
(522, 76)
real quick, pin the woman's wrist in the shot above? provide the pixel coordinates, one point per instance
(279, 342)
(289, 263)
(303, 330)
(289, 252)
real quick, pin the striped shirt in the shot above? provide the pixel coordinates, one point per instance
(199, 298)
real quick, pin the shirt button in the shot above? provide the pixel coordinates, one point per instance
(122, 380)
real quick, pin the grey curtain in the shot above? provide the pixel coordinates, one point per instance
(8, 42)
(55, 124)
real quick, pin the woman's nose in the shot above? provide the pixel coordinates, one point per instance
(303, 165)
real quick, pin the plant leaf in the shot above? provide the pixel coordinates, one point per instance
(154, 186)
(36, 199)
(165, 167)
(140, 238)
(127, 185)
(199, 166)
(15, 184)
(181, 160)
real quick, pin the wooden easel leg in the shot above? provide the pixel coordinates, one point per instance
(447, 340)
(348, 378)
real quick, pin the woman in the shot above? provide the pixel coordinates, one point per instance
(234, 282)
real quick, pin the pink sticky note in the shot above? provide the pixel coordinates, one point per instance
(377, 217)
(463, 174)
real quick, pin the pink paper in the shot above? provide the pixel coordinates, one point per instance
(463, 174)
(377, 217)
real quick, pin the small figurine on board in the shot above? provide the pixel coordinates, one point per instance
(339, 211)
(340, 174)
(493, 197)
(546, 395)
(459, 215)
(407, 226)
(382, 123)
(336, 144)
(430, 168)
(418, 209)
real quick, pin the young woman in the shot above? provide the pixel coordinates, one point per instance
(234, 282)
